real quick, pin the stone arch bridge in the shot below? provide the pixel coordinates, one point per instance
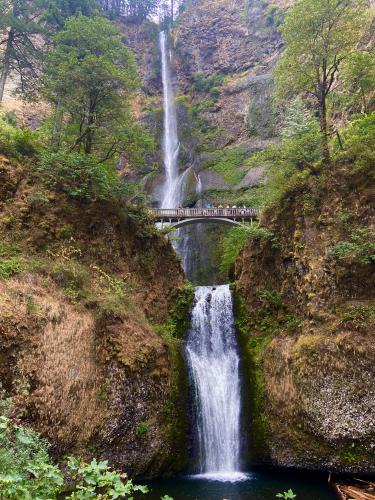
(180, 217)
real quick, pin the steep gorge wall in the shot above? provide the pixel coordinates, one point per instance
(307, 324)
(92, 302)
(223, 54)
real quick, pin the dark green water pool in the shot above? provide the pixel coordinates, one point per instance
(257, 486)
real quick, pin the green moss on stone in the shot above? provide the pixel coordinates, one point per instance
(252, 347)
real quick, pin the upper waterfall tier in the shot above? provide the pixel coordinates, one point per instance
(171, 189)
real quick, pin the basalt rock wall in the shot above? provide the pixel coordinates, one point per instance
(307, 323)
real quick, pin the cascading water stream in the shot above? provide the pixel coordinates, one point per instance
(211, 348)
(171, 194)
(213, 362)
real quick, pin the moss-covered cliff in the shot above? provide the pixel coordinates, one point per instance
(306, 316)
(92, 305)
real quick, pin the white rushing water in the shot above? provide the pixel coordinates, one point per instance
(171, 193)
(213, 361)
(211, 347)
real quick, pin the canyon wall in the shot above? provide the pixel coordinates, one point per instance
(306, 319)
(93, 303)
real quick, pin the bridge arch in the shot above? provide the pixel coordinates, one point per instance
(204, 220)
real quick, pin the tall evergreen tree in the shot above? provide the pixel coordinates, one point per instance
(137, 10)
(58, 11)
(21, 48)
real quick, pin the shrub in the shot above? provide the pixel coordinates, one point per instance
(274, 15)
(206, 83)
(81, 177)
(142, 429)
(358, 315)
(9, 267)
(17, 143)
(97, 480)
(287, 495)
(25, 468)
(358, 140)
(359, 250)
(237, 238)
(26, 471)
(272, 298)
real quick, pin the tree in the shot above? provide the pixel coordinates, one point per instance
(19, 25)
(358, 76)
(58, 11)
(137, 10)
(319, 35)
(90, 77)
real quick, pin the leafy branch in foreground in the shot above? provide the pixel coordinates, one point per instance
(287, 495)
(27, 472)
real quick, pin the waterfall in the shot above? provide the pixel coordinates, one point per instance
(171, 192)
(211, 352)
(211, 347)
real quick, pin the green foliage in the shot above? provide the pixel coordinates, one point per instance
(272, 298)
(18, 143)
(97, 480)
(25, 468)
(288, 166)
(358, 316)
(319, 35)
(178, 319)
(9, 267)
(58, 11)
(358, 76)
(287, 495)
(19, 24)
(236, 239)
(253, 347)
(136, 10)
(229, 163)
(81, 177)
(70, 276)
(26, 471)
(297, 121)
(274, 15)
(358, 140)
(208, 84)
(90, 78)
(142, 429)
(360, 249)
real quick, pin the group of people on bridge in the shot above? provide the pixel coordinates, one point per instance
(212, 209)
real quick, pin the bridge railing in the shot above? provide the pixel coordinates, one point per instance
(185, 213)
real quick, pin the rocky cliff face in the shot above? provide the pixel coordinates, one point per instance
(307, 323)
(92, 302)
(223, 55)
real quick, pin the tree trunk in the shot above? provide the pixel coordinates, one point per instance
(6, 63)
(324, 127)
(57, 126)
(364, 102)
(89, 138)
